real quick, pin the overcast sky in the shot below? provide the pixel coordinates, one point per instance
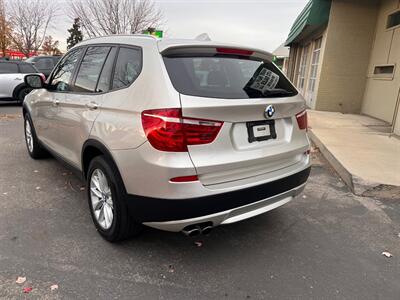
(263, 24)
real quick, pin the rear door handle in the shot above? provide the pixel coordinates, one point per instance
(56, 102)
(92, 105)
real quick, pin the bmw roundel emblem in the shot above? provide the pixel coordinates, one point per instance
(269, 111)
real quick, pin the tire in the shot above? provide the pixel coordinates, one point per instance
(108, 198)
(22, 94)
(33, 146)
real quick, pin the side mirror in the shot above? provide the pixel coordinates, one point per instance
(34, 81)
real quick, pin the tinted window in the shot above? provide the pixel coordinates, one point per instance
(127, 68)
(106, 73)
(393, 20)
(56, 59)
(227, 77)
(7, 68)
(44, 63)
(62, 75)
(27, 68)
(90, 68)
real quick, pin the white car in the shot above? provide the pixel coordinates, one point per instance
(180, 135)
(12, 85)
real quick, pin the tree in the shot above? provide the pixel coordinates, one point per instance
(104, 17)
(5, 29)
(50, 47)
(30, 20)
(75, 34)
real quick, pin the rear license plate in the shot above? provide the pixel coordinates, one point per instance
(261, 130)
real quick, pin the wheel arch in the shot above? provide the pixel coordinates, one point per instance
(92, 148)
(24, 110)
(17, 89)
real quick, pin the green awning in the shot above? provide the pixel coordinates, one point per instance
(313, 17)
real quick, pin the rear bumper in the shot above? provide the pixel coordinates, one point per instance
(232, 215)
(165, 213)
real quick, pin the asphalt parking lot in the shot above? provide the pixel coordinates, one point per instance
(327, 244)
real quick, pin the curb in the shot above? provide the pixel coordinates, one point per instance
(357, 185)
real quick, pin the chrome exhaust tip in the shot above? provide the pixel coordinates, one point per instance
(191, 231)
(206, 229)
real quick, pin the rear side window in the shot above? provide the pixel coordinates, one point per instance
(227, 77)
(44, 63)
(90, 68)
(60, 80)
(127, 67)
(106, 74)
(8, 68)
(27, 68)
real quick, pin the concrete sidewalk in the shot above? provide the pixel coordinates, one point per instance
(359, 148)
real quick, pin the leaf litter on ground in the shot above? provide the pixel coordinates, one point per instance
(20, 280)
(387, 254)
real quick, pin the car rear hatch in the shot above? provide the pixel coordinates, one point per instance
(254, 104)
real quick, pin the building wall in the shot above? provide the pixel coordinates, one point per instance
(381, 94)
(350, 34)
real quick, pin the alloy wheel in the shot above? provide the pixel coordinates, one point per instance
(101, 199)
(28, 135)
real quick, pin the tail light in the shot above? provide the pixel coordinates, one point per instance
(185, 178)
(302, 120)
(167, 130)
(234, 51)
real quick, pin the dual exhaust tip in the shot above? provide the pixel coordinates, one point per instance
(197, 229)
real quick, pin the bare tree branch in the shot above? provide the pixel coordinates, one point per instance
(104, 17)
(30, 20)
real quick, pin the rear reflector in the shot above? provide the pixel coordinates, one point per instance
(167, 130)
(184, 179)
(302, 120)
(235, 51)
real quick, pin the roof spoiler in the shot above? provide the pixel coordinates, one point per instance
(216, 49)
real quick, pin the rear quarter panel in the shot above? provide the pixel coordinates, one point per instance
(119, 124)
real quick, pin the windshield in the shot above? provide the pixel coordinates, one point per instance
(227, 77)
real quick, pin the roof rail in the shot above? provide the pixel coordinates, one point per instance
(124, 34)
(145, 35)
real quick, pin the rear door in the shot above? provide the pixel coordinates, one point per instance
(257, 105)
(9, 79)
(80, 107)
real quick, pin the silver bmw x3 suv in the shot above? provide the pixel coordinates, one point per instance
(179, 135)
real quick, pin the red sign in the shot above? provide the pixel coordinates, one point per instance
(17, 54)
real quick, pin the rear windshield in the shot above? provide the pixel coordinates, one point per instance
(227, 77)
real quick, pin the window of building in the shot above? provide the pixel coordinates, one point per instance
(393, 20)
(314, 65)
(384, 71)
(303, 68)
